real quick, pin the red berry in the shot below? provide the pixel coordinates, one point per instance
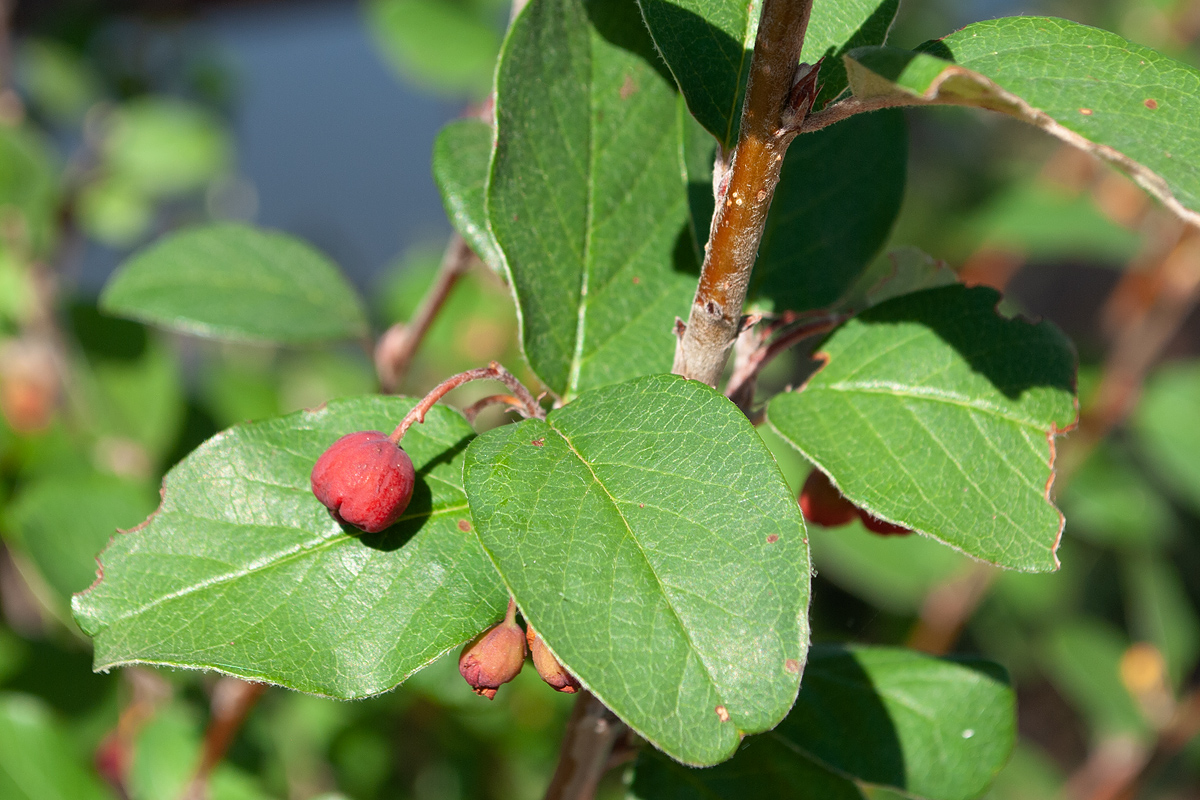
(494, 657)
(364, 479)
(822, 504)
(876, 525)
(547, 665)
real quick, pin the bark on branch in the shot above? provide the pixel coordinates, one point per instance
(778, 97)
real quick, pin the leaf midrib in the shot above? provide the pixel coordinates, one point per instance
(927, 394)
(273, 560)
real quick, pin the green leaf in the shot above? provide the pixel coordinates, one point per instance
(765, 767)
(447, 46)
(935, 413)
(708, 46)
(461, 156)
(838, 196)
(165, 147)
(648, 535)
(929, 727)
(37, 759)
(1165, 423)
(231, 281)
(586, 197)
(242, 570)
(1120, 101)
(63, 522)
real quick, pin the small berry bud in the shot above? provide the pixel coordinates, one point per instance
(822, 504)
(364, 479)
(547, 665)
(495, 656)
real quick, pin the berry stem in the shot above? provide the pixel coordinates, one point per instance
(492, 371)
(472, 411)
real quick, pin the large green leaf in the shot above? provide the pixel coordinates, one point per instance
(38, 761)
(838, 195)
(935, 413)
(460, 166)
(62, 522)
(242, 570)
(648, 535)
(586, 198)
(231, 281)
(1167, 431)
(1120, 101)
(929, 727)
(708, 46)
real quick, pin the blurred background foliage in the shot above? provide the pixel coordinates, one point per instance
(118, 122)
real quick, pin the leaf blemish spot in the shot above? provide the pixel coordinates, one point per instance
(1087, 112)
(773, 538)
(538, 442)
(636, 280)
(723, 713)
(968, 733)
(1151, 104)
(792, 666)
(464, 526)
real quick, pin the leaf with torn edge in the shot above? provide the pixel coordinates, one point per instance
(1125, 103)
(242, 570)
(934, 412)
(648, 535)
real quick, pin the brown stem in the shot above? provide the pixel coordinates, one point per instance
(232, 701)
(778, 96)
(472, 411)
(742, 382)
(843, 109)
(492, 371)
(398, 345)
(584, 758)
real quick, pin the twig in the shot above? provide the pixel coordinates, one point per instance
(591, 733)
(232, 700)
(472, 411)
(396, 348)
(778, 97)
(850, 106)
(747, 367)
(492, 371)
